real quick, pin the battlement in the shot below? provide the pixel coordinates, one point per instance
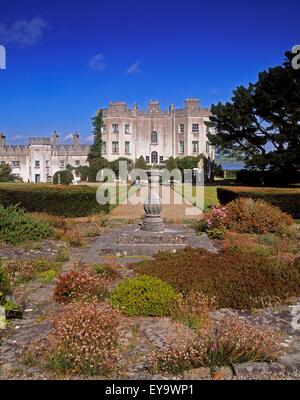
(39, 141)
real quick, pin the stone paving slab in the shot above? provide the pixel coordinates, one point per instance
(132, 241)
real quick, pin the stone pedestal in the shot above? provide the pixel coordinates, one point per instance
(153, 206)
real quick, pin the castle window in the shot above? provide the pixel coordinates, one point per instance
(181, 147)
(37, 164)
(195, 128)
(77, 163)
(207, 147)
(154, 137)
(127, 148)
(62, 164)
(154, 157)
(127, 129)
(47, 163)
(115, 147)
(147, 159)
(181, 128)
(16, 164)
(115, 128)
(103, 147)
(2, 162)
(195, 146)
(103, 129)
(161, 159)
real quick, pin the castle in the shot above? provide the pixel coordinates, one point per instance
(154, 134)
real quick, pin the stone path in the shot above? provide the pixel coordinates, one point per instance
(175, 207)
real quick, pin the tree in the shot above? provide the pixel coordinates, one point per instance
(6, 174)
(141, 163)
(65, 177)
(115, 165)
(96, 148)
(261, 124)
(171, 164)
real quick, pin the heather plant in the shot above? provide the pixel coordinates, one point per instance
(85, 286)
(63, 254)
(213, 223)
(246, 215)
(235, 280)
(236, 341)
(48, 276)
(84, 341)
(193, 310)
(17, 227)
(5, 285)
(144, 296)
(21, 271)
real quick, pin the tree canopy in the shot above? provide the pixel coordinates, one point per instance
(261, 123)
(96, 148)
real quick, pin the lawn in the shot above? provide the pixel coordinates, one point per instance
(189, 193)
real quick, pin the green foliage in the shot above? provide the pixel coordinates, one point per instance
(144, 296)
(82, 171)
(141, 163)
(260, 124)
(6, 173)
(48, 276)
(96, 164)
(288, 200)
(171, 164)
(68, 201)
(216, 233)
(239, 281)
(96, 148)
(63, 254)
(18, 227)
(115, 165)
(5, 287)
(10, 305)
(66, 177)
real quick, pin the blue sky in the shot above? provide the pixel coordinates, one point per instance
(66, 59)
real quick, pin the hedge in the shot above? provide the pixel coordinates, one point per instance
(267, 178)
(288, 200)
(74, 201)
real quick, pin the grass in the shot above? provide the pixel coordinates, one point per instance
(190, 192)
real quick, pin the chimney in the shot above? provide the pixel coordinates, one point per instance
(76, 139)
(55, 138)
(2, 139)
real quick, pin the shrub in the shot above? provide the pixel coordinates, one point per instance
(288, 200)
(66, 177)
(237, 341)
(5, 287)
(216, 233)
(68, 201)
(17, 227)
(48, 276)
(63, 254)
(144, 296)
(84, 341)
(85, 286)
(250, 216)
(268, 178)
(20, 271)
(239, 281)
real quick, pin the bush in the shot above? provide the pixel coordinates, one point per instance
(17, 227)
(268, 178)
(237, 341)
(250, 216)
(144, 296)
(240, 281)
(288, 200)
(5, 287)
(68, 201)
(20, 271)
(66, 177)
(84, 341)
(85, 286)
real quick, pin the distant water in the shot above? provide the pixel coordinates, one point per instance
(233, 166)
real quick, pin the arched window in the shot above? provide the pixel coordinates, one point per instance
(154, 137)
(154, 157)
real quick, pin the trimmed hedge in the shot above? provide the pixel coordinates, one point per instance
(267, 178)
(288, 200)
(75, 201)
